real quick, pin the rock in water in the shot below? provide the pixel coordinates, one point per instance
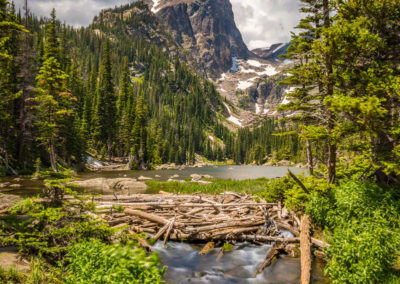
(123, 185)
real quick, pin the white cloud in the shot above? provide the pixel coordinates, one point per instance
(73, 12)
(265, 22)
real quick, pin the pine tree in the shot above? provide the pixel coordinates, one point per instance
(311, 78)
(53, 99)
(105, 111)
(52, 45)
(365, 40)
(139, 136)
(10, 29)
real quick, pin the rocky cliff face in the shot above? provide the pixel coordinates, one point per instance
(206, 29)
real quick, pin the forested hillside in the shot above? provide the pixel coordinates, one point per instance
(118, 88)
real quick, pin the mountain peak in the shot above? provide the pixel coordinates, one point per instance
(206, 29)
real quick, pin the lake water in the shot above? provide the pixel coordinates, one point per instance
(33, 187)
(219, 172)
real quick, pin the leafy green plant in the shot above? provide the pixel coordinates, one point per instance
(25, 206)
(363, 219)
(95, 262)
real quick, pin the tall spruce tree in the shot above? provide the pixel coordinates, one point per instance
(9, 34)
(311, 79)
(138, 153)
(53, 99)
(105, 110)
(366, 34)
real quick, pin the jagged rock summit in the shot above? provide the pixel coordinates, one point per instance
(206, 29)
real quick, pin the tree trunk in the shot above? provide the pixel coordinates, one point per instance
(53, 158)
(332, 163)
(332, 147)
(310, 157)
(305, 249)
(130, 161)
(109, 148)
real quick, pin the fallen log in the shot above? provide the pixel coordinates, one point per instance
(287, 227)
(296, 179)
(170, 227)
(150, 217)
(224, 225)
(319, 243)
(175, 205)
(274, 252)
(161, 232)
(207, 248)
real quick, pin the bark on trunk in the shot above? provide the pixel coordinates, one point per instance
(310, 157)
(332, 148)
(109, 148)
(305, 249)
(53, 158)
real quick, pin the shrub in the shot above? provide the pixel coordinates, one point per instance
(364, 222)
(95, 262)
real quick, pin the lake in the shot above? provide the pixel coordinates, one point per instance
(32, 187)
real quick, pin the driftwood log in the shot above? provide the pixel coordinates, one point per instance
(225, 217)
(274, 252)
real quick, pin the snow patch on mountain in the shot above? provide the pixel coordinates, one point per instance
(243, 85)
(156, 3)
(285, 99)
(233, 119)
(279, 47)
(258, 109)
(254, 63)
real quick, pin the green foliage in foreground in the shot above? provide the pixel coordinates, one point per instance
(364, 223)
(39, 273)
(48, 230)
(95, 262)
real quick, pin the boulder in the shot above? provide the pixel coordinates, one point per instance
(204, 182)
(124, 185)
(15, 185)
(284, 163)
(142, 178)
(196, 177)
(5, 184)
(8, 200)
(11, 258)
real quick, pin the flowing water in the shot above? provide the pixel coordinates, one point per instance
(185, 265)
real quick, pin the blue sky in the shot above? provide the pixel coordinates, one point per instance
(262, 22)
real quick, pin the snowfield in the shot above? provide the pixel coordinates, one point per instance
(233, 119)
(156, 3)
(258, 109)
(243, 85)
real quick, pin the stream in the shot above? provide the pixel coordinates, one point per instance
(185, 265)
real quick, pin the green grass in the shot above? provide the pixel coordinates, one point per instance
(217, 186)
